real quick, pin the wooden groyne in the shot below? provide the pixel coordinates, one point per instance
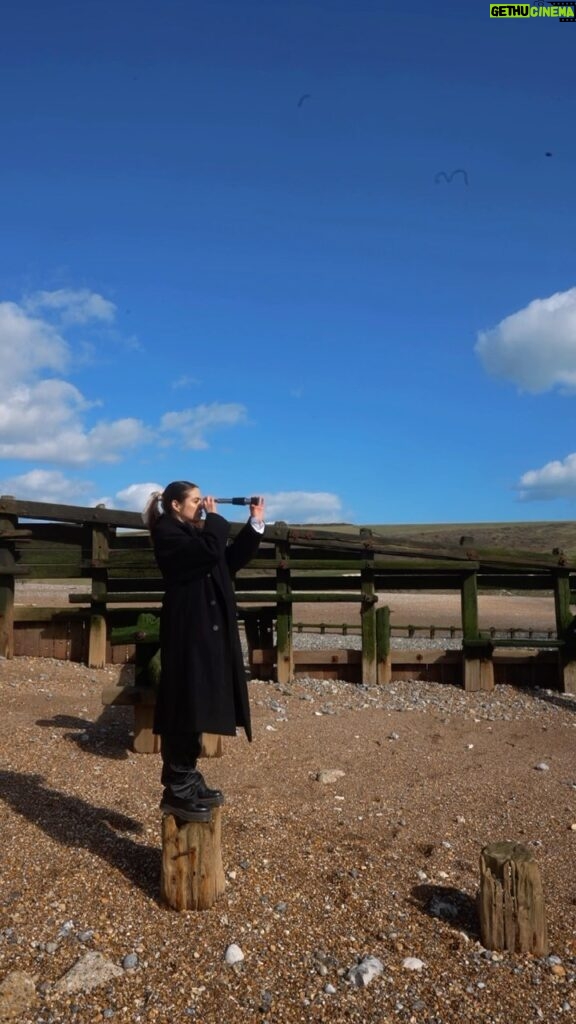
(109, 555)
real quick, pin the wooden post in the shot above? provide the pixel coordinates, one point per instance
(212, 745)
(285, 653)
(383, 651)
(567, 669)
(99, 545)
(145, 740)
(8, 525)
(478, 666)
(368, 618)
(146, 678)
(192, 875)
(511, 901)
(259, 630)
(562, 600)
(469, 605)
(565, 631)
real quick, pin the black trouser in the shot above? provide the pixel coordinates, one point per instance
(180, 777)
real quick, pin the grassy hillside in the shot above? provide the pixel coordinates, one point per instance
(541, 536)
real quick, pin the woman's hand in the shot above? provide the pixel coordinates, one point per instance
(209, 503)
(257, 510)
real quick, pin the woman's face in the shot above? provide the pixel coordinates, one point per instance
(190, 509)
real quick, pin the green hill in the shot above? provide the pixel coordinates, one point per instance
(538, 536)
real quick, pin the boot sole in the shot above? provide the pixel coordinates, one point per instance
(213, 801)
(177, 812)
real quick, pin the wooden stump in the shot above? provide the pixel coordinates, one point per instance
(211, 745)
(192, 874)
(511, 901)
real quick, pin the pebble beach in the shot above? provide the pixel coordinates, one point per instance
(351, 837)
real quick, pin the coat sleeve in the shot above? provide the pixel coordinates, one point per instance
(243, 548)
(184, 552)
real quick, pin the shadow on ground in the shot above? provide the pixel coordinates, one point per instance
(111, 735)
(73, 822)
(450, 905)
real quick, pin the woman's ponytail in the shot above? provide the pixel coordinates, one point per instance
(160, 502)
(152, 510)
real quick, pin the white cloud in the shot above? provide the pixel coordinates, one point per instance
(193, 424)
(47, 485)
(42, 417)
(303, 507)
(74, 306)
(134, 497)
(28, 345)
(47, 421)
(31, 413)
(535, 347)
(185, 382)
(292, 506)
(42, 422)
(554, 480)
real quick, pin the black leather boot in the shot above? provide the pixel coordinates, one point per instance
(186, 810)
(209, 797)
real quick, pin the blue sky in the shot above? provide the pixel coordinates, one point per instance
(228, 255)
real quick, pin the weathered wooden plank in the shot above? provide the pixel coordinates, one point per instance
(300, 536)
(52, 613)
(133, 598)
(69, 513)
(338, 656)
(328, 598)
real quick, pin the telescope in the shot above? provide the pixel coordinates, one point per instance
(254, 500)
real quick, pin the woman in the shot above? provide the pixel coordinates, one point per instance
(203, 684)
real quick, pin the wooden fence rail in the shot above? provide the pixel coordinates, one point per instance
(110, 554)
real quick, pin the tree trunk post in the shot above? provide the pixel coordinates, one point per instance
(192, 875)
(511, 901)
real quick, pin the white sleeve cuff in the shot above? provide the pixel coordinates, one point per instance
(257, 525)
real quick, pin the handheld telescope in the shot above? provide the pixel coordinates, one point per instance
(237, 501)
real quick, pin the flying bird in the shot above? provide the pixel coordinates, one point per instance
(306, 96)
(448, 177)
(548, 154)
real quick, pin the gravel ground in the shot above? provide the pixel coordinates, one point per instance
(382, 862)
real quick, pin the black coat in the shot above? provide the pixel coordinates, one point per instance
(203, 682)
